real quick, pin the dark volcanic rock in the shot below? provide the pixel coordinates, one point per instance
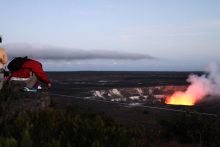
(28, 100)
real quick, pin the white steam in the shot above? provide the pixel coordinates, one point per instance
(205, 85)
(202, 88)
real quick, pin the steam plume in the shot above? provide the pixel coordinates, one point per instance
(39, 51)
(205, 86)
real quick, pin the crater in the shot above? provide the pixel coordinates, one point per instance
(138, 95)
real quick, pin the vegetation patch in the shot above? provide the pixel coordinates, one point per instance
(70, 127)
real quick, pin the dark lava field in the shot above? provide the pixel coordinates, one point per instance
(102, 91)
(76, 83)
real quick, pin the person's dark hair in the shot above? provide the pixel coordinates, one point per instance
(0, 39)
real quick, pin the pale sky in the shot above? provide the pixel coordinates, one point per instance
(135, 35)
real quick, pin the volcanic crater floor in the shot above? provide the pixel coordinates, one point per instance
(84, 88)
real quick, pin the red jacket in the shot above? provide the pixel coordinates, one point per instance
(27, 67)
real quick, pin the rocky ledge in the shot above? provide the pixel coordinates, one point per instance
(28, 100)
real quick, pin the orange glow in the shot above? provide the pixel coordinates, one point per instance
(180, 98)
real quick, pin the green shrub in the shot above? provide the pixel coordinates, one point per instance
(26, 140)
(71, 127)
(8, 142)
(192, 128)
(53, 103)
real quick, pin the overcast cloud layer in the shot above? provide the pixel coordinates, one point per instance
(39, 51)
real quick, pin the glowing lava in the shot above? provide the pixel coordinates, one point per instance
(180, 98)
(201, 86)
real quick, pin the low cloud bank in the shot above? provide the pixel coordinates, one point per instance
(39, 51)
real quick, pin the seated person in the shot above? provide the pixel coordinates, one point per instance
(27, 76)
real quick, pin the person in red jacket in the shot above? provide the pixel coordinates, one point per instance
(28, 75)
